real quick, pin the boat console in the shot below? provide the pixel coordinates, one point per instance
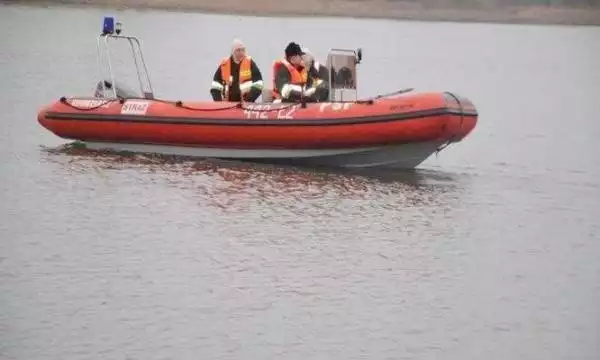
(342, 65)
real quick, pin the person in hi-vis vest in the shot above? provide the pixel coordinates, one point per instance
(237, 78)
(291, 80)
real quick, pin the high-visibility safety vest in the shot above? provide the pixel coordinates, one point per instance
(245, 70)
(296, 77)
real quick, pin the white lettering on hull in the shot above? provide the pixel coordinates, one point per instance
(89, 103)
(265, 111)
(135, 107)
(335, 106)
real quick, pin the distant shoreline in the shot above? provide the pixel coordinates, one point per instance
(374, 9)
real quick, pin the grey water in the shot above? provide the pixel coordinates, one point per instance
(489, 250)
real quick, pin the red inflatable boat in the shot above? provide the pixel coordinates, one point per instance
(400, 130)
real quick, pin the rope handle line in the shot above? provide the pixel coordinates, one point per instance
(240, 105)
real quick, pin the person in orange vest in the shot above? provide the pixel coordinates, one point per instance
(237, 77)
(291, 80)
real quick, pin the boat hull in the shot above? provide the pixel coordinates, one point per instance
(398, 132)
(401, 156)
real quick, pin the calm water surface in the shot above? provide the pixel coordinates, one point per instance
(489, 251)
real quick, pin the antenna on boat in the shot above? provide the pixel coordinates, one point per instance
(342, 65)
(112, 30)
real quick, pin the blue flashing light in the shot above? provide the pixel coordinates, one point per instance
(109, 25)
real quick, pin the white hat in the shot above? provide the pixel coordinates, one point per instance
(237, 43)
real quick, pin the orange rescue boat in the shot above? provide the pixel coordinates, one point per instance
(398, 130)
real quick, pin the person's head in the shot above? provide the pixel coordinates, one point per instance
(238, 50)
(294, 53)
(308, 58)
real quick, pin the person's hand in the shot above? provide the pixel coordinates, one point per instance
(245, 87)
(309, 92)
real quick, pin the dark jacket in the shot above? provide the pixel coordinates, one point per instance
(322, 73)
(322, 93)
(234, 88)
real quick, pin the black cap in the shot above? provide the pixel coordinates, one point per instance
(293, 49)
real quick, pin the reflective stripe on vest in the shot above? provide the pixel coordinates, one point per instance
(296, 77)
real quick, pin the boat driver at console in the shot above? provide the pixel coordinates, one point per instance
(237, 76)
(291, 80)
(317, 72)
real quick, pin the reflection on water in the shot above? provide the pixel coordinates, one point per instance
(227, 183)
